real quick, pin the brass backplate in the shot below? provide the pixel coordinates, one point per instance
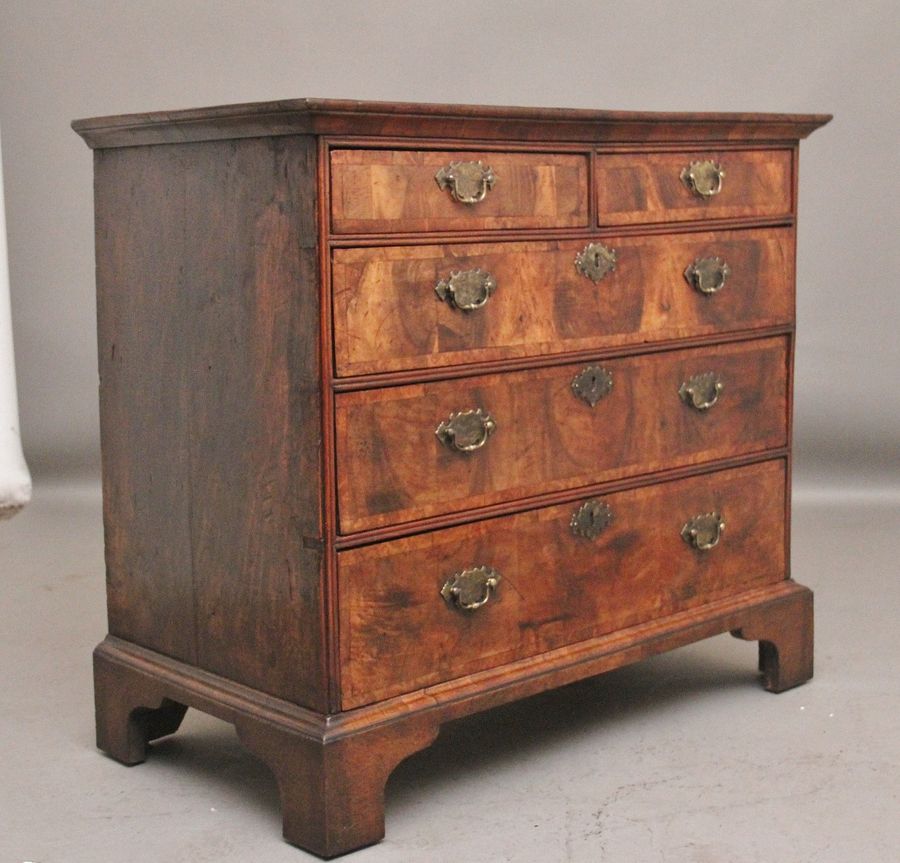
(472, 588)
(703, 178)
(701, 391)
(704, 531)
(592, 383)
(708, 275)
(595, 260)
(466, 431)
(468, 182)
(591, 518)
(467, 290)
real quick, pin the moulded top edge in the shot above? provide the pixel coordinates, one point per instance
(400, 119)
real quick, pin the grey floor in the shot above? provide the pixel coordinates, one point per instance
(683, 758)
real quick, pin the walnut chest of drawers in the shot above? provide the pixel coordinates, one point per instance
(411, 410)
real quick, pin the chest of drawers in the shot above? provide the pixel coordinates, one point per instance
(408, 411)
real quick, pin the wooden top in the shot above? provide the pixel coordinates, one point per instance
(398, 119)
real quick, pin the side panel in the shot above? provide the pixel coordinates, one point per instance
(145, 392)
(210, 393)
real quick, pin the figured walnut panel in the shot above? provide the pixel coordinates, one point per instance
(641, 188)
(390, 191)
(388, 317)
(393, 468)
(397, 634)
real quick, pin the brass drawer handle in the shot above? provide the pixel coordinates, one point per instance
(703, 532)
(595, 260)
(467, 290)
(591, 518)
(703, 179)
(468, 182)
(466, 431)
(701, 392)
(708, 275)
(592, 384)
(470, 589)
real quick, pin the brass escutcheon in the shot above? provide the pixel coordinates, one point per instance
(595, 260)
(466, 431)
(708, 275)
(703, 179)
(704, 531)
(467, 290)
(468, 182)
(472, 588)
(591, 384)
(701, 392)
(591, 518)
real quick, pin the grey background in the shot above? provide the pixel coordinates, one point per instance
(74, 58)
(680, 759)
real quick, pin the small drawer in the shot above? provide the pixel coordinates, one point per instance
(436, 606)
(413, 307)
(397, 191)
(421, 450)
(642, 188)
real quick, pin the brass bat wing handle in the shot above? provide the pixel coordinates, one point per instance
(470, 589)
(468, 182)
(707, 275)
(703, 179)
(701, 392)
(467, 290)
(466, 431)
(703, 532)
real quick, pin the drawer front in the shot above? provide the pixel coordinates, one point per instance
(397, 632)
(393, 467)
(400, 307)
(391, 191)
(640, 188)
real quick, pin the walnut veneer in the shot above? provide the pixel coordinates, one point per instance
(377, 295)
(408, 411)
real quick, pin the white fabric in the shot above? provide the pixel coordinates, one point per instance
(15, 481)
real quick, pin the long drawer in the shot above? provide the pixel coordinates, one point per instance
(641, 188)
(440, 605)
(410, 452)
(391, 191)
(410, 307)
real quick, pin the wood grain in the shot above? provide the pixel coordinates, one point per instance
(212, 466)
(331, 784)
(785, 605)
(332, 791)
(279, 514)
(392, 467)
(785, 635)
(387, 316)
(145, 396)
(331, 771)
(642, 188)
(351, 117)
(255, 417)
(398, 634)
(396, 191)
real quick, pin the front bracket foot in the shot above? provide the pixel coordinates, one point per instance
(784, 630)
